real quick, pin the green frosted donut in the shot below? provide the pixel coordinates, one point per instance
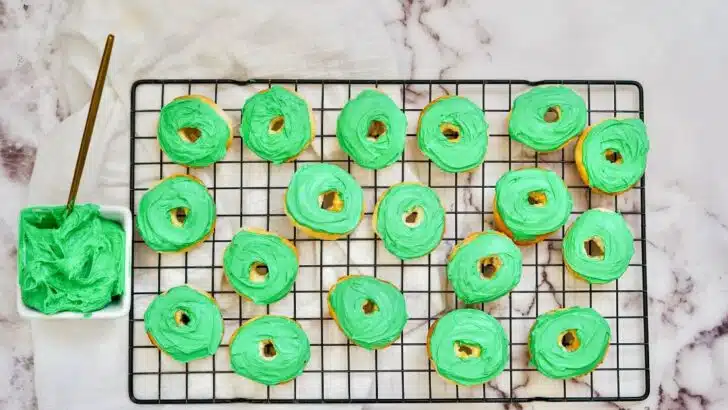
(606, 235)
(452, 132)
(468, 347)
(260, 265)
(269, 350)
(531, 203)
(324, 200)
(276, 124)
(175, 214)
(484, 267)
(566, 343)
(193, 131)
(369, 311)
(410, 220)
(184, 323)
(371, 130)
(546, 118)
(612, 155)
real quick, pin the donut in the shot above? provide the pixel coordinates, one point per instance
(70, 262)
(371, 130)
(184, 323)
(194, 131)
(261, 266)
(410, 220)
(484, 267)
(611, 156)
(176, 214)
(598, 246)
(269, 350)
(567, 343)
(369, 311)
(546, 118)
(467, 347)
(324, 201)
(530, 204)
(452, 132)
(277, 124)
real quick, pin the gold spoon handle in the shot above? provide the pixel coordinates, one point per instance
(93, 109)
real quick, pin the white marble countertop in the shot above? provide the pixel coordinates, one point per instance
(674, 48)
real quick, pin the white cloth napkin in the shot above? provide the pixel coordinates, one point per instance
(83, 364)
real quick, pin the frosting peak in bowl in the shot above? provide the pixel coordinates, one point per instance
(69, 263)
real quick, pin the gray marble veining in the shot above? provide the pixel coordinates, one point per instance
(29, 107)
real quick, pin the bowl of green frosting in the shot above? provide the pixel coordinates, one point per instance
(73, 266)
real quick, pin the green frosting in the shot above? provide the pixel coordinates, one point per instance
(159, 204)
(69, 263)
(303, 205)
(453, 155)
(626, 137)
(528, 126)
(250, 248)
(528, 221)
(474, 330)
(204, 116)
(353, 125)
(611, 232)
(370, 312)
(184, 323)
(465, 272)
(259, 115)
(253, 357)
(409, 240)
(554, 360)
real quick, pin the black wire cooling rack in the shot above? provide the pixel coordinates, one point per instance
(248, 192)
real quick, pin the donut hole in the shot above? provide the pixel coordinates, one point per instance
(376, 130)
(569, 340)
(369, 307)
(189, 134)
(258, 272)
(613, 156)
(594, 247)
(413, 217)
(276, 124)
(450, 131)
(179, 216)
(181, 318)
(267, 349)
(553, 114)
(488, 266)
(331, 201)
(465, 350)
(537, 198)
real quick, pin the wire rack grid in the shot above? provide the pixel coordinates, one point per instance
(248, 192)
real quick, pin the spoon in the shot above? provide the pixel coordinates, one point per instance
(93, 109)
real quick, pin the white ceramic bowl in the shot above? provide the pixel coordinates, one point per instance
(115, 309)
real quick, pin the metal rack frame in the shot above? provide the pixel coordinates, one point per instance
(490, 392)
